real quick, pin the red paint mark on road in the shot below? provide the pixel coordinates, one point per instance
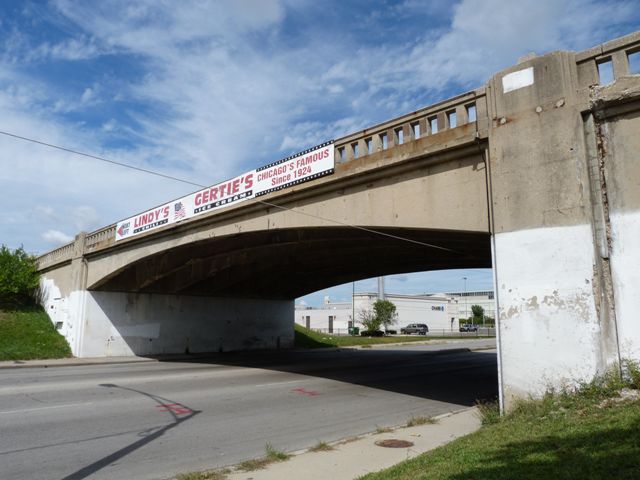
(176, 408)
(308, 393)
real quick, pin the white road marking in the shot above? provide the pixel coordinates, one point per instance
(278, 383)
(45, 408)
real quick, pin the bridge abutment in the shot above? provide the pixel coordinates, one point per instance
(563, 248)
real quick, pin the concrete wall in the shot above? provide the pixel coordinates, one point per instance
(544, 254)
(617, 124)
(99, 324)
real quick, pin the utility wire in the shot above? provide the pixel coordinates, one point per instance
(102, 159)
(269, 204)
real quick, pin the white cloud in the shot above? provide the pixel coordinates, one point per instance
(87, 95)
(56, 237)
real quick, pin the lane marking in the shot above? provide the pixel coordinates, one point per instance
(276, 383)
(44, 408)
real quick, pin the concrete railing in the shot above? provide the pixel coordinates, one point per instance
(100, 238)
(54, 257)
(608, 62)
(429, 121)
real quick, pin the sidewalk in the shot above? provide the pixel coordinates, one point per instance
(77, 362)
(73, 362)
(350, 460)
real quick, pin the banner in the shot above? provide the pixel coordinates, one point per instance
(301, 167)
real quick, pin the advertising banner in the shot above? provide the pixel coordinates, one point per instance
(302, 167)
(149, 220)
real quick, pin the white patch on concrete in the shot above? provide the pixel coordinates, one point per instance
(516, 80)
(62, 312)
(548, 324)
(625, 269)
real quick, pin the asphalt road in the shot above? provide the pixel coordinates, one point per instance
(154, 420)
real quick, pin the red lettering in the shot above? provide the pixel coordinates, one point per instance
(248, 181)
(236, 185)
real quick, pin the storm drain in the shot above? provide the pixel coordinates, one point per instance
(394, 443)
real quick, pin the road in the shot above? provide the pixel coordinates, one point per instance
(153, 420)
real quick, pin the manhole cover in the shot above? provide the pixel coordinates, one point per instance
(394, 443)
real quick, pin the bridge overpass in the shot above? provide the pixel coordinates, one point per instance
(534, 174)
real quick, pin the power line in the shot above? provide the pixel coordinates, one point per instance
(102, 159)
(269, 204)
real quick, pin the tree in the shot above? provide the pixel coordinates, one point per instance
(478, 313)
(18, 277)
(369, 320)
(385, 312)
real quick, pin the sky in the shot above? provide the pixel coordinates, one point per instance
(205, 90)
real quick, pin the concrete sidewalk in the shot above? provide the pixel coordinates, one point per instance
(73, 362)
(483, 344)
(358, 457)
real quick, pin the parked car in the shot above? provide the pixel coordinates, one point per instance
(419, 328)
(468, 327)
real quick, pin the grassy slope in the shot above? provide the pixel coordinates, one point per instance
(559, 438)
(27, 334)
(306, 338)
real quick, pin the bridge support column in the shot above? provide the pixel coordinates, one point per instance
(554, 248)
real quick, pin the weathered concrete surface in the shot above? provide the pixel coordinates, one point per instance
(119, 324)
(617, 121)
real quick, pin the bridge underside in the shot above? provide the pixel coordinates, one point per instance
(289, 263)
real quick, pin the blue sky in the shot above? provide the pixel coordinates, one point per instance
(206, 90)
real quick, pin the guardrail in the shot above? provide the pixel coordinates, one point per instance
(610, 61)
(463, 109)
(57, 256)
(100, 238)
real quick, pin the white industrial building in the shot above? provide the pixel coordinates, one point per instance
(441, 312)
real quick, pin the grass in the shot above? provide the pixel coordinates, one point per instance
(321, 447)
(208, 475)
(380, 429)
(272, 456)
(306, 338)
(589, 433)
(27, 333)
(415, 421)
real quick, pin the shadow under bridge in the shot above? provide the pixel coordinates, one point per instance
(289, 263)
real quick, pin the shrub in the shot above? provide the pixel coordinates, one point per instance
(18, 277)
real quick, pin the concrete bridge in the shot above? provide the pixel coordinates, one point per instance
(534, 174)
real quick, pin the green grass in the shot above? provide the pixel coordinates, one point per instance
(208, 475)
(581, 435)
(272, 456)
(27, 333)
(321, 447)
(306, 338)
(415, 421)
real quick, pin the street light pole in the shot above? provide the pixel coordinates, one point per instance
(466, 316)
